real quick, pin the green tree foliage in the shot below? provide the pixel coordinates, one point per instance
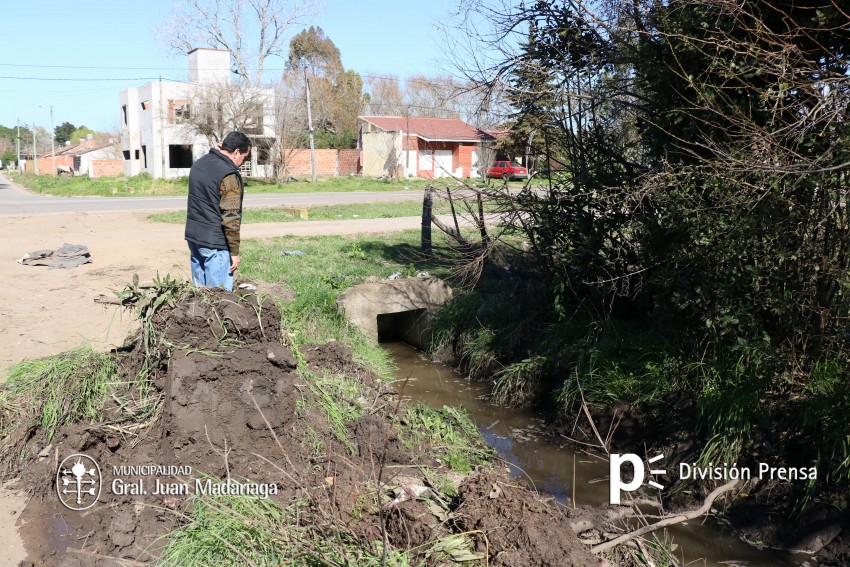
(64, 132)
(81, 133)
(703, 145)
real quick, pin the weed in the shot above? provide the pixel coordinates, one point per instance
(450, 433)
(41, 395)
(728, 407)
(517, 382)
(231, 530)
(338, 396)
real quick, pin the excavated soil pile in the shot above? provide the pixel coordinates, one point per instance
(235, 402)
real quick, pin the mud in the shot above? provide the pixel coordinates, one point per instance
(513, 529)
(233, 404)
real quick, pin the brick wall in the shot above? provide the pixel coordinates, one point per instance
(464, 158)
(349, 162)
(45, 165)
(328, 162)
(107, 167)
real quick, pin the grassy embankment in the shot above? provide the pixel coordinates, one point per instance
(730, 409)
(145, 186)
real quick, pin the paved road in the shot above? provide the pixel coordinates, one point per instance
(14, 200)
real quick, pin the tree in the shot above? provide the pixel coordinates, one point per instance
(336, 94)
(313, 51)
(216, 110)
(64, 132)
(82, 133)
(252, 30)
(385, 96)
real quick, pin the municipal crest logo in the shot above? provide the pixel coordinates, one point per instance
(78, 482)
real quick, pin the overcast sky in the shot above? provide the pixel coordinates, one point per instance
(49, 43)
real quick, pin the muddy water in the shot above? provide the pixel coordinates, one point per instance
(572, 478)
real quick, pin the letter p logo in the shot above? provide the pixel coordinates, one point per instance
(616, 483)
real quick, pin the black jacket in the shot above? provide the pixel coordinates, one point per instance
(203, 210)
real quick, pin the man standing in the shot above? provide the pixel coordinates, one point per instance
(214, 212)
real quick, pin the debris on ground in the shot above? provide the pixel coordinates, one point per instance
(66, 257)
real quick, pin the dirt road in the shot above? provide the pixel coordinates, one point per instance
(47, 311)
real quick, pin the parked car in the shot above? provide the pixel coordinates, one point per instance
(507, 170)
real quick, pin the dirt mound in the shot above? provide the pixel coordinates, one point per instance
(307, 441)
(517, 530)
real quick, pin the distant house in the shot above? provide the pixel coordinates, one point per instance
(92, 157)
(420, 147)
(161, 124)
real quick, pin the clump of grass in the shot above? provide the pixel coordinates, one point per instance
(146, 301)
(728, 407)
(340, 398)
(44, 394)
(517, 382)
(451, 434)
(237, 531)
(231, 531)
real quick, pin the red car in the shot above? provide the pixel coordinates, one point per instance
(507, 170)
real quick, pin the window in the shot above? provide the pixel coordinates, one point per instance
(263, 148)
(253, 122)
(126, 154)
(124, 113)
(137, 154)
(178, 111)
(179, 155)
(146, 105)
(144, 157)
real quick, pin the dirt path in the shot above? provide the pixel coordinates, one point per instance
(47, 311)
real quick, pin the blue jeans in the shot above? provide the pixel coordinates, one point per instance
(210, 267)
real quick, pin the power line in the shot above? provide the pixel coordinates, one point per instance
(415, 79)
(77, 79)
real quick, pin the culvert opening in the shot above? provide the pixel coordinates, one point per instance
(410, 327)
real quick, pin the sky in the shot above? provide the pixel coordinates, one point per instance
(47, 45)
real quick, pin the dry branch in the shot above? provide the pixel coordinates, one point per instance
(704, 509)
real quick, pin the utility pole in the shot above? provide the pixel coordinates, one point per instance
(19, 146)
(34, 148)
(52, 140)
(310, 127)
(407, 167)
(161, 130)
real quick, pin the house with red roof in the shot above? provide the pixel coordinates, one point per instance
(419, 146)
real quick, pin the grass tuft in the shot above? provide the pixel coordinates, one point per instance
(41, 395)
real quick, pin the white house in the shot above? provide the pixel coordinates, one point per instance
(420, 146)
(160, 134)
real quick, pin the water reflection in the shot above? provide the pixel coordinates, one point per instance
(519, 439)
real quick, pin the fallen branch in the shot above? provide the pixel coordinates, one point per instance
(706, 506)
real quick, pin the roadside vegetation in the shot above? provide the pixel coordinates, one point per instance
(320, 213)
(685, 268)
(144, 185)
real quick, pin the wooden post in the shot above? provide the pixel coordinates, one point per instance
(425, 246)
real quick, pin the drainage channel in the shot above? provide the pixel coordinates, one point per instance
(519, 438)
